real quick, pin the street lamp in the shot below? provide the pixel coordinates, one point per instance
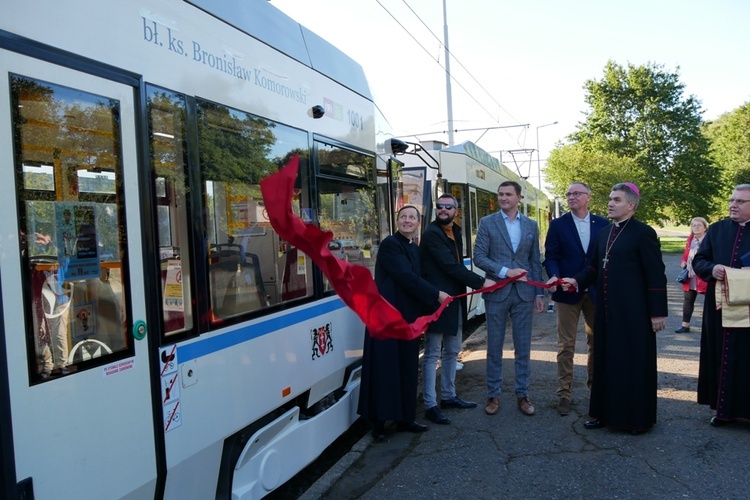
(539, 166)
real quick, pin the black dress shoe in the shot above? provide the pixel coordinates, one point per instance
(412, 427)
(456, 402)
(683, 329)
(378, 437)
(715, 422)
(434, 414)
(378, 431)
(593, 424)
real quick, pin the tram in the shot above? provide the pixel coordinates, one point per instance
(424, 171)
(158, 338)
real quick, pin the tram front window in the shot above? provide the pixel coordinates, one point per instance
(69, 170)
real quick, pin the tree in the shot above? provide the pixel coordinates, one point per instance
(600, 170)
(640, 114)
(730, 149)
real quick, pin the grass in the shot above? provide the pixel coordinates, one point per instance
(672, 238)
(672, 244)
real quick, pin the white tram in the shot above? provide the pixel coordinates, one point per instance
(158, 339)
(428, 169)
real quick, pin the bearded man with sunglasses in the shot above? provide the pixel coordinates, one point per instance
(441, 257)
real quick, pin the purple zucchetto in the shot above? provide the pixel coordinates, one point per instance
(634, 188)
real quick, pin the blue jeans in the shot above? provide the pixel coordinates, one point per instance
(451, 346)
(521, 315)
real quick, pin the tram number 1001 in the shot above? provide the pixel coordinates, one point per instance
(355, 120)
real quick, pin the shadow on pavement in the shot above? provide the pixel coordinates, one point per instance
(549, 456)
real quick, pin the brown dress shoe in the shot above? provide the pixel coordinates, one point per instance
(525, 406)
(492, 406)
(563, 407)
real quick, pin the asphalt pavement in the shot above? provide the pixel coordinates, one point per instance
(511, 455)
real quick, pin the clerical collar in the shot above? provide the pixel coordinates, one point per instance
(410, 240)
(618, 224)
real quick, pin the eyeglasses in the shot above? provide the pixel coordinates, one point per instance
(738, 201)
(445, 206)
(575, 194)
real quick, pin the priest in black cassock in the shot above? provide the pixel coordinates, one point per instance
(388, 389)
(631, 307)
(724, 373)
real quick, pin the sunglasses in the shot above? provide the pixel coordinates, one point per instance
(446, 206)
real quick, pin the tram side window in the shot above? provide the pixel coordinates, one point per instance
(347, 207)
(166, 119)
(531, 211)
(486, 205)
(249, 267)
(383, 196)
(459, 192)
(68, 166)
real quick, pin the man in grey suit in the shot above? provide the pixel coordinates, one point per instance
(507, 246)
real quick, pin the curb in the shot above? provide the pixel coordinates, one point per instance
(325, 482)
(332, 475)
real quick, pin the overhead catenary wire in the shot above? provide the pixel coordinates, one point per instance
(452, 77)
(459, 63)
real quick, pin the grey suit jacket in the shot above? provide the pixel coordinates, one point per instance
(493, 251)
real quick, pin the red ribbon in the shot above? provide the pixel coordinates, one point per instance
(353, 283)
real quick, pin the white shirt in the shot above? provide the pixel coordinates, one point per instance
(584, 229)
(514, 229)
(514, 232)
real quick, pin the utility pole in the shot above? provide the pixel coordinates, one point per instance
(448, 74)
(539, 165)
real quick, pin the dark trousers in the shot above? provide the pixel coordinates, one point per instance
(688, 305)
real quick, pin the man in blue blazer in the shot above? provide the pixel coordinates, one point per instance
(570, 242)
(507, 246)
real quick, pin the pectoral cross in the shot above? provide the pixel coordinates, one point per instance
(604, 261)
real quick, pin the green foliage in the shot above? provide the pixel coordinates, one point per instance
(730, 149)
(599, 169)
(235, 147)
(640, 128)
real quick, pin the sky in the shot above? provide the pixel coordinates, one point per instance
(524, 62)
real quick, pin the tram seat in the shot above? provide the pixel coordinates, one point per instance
(294, 284)
(253, 261)
(87, 349)
(236, 281)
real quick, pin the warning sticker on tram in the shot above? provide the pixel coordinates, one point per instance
(170, 388)
(172, 416)
(168, 360)
(117, 367)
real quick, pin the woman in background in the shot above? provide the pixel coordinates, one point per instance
(694, 285)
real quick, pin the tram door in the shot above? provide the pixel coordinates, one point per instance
(73, 306)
